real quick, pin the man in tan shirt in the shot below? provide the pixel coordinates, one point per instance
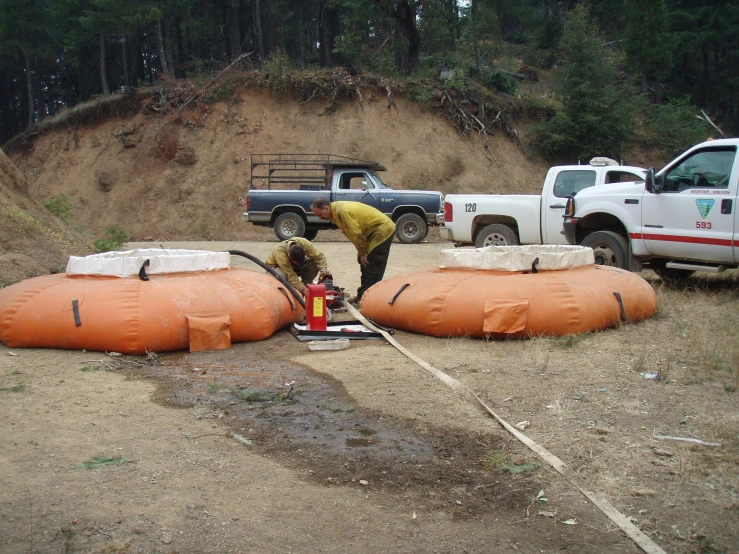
(298, 261)
(368, 229)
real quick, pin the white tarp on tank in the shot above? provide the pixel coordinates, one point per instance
(552, 257)
(129, 262)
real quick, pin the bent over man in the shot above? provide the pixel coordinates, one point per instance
(368, 229)
(298, 261)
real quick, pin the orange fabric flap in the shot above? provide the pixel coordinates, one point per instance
(505, 316)
(210, 331)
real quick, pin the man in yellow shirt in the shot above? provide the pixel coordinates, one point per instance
(298, 261)
(368, 229)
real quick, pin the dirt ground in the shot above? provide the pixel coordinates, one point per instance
(371, 453)
(368, 452)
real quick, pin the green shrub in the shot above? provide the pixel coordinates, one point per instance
(497, 80)
(277, 66)
(458, 81)
(60, 206)
(222, 93)
(677, 127)
(420, 95)
(543, 59)
(117, 237)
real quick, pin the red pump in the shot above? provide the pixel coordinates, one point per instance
(315, 307)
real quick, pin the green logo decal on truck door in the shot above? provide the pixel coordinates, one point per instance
(704, 206)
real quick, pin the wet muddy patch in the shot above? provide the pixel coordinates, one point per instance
(306, 420)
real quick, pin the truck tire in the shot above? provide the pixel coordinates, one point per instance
(310, 234)
(410, 228)
(672, 276)
(610, 248)
(496, 234)
(289, 225)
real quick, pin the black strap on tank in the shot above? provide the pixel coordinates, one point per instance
(283, 291)
(142, 272)
(621, 305)
(405, 286)
(386, 329)
(533, 267)
(76, 312)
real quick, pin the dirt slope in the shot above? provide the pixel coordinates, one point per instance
(151, 198)
(33, 241)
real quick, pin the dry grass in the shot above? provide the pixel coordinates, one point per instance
(166, 145)
(540, 353)
(698, 338)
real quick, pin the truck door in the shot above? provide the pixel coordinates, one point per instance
(356, 186)
(694, 215)
(567, 182)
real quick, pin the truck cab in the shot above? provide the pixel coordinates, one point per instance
(283, 187)
(501, 220)
(682, 219)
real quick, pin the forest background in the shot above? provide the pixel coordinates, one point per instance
(628, 73)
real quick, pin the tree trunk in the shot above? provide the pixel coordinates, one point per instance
(162, 56)
(124, 55)
(167, 30)
(258, 30)
(182, 57)
(234, 36)
(29, 86)
(405, 15)
(475, 36)
(103, 76)
(299, 36)
(40, 98)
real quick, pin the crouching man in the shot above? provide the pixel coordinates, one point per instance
(298, 262)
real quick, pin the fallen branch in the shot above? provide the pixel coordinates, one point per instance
(686, 439)
(201, 91)
(516, 75)
(708, 120)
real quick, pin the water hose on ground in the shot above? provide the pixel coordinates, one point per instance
(631, 530)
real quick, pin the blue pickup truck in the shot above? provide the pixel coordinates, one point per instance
(283, 187)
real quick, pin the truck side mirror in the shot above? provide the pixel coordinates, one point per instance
(364, 185)
(652, 184)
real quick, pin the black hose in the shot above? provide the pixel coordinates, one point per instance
(295, 293)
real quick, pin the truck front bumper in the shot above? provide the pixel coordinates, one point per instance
(570, 227)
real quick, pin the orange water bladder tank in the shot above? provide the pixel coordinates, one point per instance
(519, 291)
(102, 304)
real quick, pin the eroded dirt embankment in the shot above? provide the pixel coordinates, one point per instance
(199, 193)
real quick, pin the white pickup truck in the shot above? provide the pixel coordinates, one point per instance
(505, 220)
(681, 220)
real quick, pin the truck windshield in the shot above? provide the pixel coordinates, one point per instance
(380, 183)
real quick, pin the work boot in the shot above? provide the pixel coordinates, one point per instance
(355, 300)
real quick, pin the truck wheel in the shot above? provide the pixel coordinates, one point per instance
(410, 228)
(289, 225)
(310, 234)
(672, 276)
(609, 248)
(496, 234)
